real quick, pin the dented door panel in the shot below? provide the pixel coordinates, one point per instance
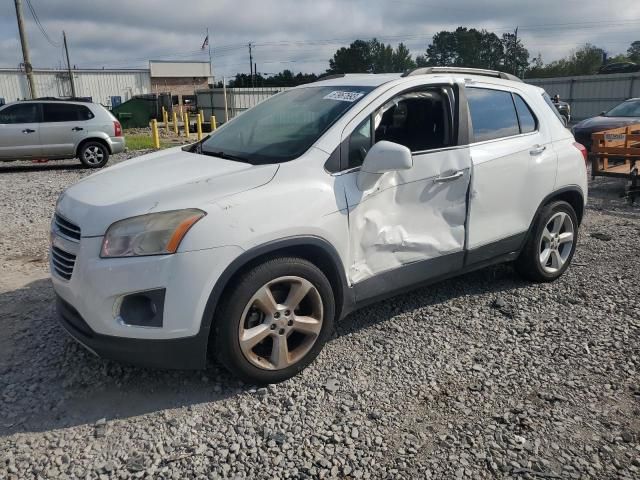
(409, 216)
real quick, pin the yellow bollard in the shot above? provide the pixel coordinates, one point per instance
(186, 124)
(214, 127)
(201, 112)
(175, 122)
(165, 118)
(199, 126)
(154, 134)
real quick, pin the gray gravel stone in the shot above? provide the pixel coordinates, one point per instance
(483, 376)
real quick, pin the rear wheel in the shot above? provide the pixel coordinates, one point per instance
(551, 245)
(94, 155)
(275, 320)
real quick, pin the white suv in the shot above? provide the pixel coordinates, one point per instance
(326, 197)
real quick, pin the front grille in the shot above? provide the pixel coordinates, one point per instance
(66, 228)
(63, 262)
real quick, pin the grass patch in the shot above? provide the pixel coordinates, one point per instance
(143, 142)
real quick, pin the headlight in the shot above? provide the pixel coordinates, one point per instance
(151, 234)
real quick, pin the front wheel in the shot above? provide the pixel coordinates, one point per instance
(551, 244)
(94, 155)
(275, 320)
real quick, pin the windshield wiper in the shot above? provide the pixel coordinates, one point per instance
(227, 156)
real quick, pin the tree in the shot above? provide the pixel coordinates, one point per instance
(354, 59)
(465, 48)
(371, 56)
(402, 60)
(516, 56)
(584, 61)
(633, 52)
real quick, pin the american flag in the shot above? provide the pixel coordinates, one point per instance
(205, 44)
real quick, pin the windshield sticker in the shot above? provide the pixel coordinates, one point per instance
(344, 96)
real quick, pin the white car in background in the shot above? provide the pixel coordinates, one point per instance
(324, 198)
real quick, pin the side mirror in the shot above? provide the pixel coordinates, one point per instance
(387, 157)
(383, 157)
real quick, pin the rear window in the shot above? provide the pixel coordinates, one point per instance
(23, 113)
(493, 114)
(64, 112)
(552, 106)
(527, 119)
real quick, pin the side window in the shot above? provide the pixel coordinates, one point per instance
(420, 120)
(493, 114)
(359, 143)
(526, 117)
(63, 112)
(23, 113)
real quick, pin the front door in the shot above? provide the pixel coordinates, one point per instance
(20, 131)
(408, 226)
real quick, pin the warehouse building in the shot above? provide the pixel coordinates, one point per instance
(109, 86)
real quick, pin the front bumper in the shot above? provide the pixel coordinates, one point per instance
(183, 353)
(91, 298)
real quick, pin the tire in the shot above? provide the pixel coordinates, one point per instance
(559, 225)
(279, 319)
(94, 155)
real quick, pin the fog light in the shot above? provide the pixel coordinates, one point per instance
(143, 309)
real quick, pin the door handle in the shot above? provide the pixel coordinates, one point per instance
(450, 178)
(77, 129)
(537, 149)
(28, 130)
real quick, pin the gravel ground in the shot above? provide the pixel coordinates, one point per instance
(484, 376)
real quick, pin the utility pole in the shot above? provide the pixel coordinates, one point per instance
(251, 63)
(66, 51)
(515, 53)
(25, 49)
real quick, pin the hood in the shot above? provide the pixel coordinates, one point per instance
(598, 124)
(167, 180)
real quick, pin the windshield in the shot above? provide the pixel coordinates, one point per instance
(284, 126)
(625, 109)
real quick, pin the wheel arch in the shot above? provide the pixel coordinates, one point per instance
(84, 141)
(573, 195)
(314, 249)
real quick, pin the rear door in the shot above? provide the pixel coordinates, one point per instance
(20, 131)
(514, 167)
(408, 226)
(63, 126)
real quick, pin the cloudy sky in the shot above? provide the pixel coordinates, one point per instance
(300, 35)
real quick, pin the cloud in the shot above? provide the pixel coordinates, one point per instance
(297, 34)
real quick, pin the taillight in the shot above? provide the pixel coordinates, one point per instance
(583, 151)
(117, 129)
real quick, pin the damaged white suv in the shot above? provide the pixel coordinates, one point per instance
(326, 197)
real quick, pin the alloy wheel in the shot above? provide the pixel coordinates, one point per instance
(93, 155)
(556, 242)
(281, 323)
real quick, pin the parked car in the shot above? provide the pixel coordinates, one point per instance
(619, 67)
(626, 113)
(317, 201)
(564, 109)
(57, 129)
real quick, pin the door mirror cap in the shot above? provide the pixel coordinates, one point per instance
(387, 157)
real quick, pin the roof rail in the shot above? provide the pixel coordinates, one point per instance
(61, 99)
(468, 71)
(331, 77)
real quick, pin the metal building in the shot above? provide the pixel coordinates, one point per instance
(98, 84)
(589, 95)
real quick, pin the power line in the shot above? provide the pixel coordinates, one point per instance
(40, 26)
